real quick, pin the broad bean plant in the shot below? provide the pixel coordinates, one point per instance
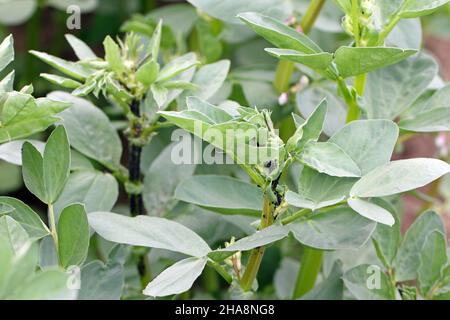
(253, 144)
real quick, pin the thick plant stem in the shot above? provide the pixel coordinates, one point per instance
(257, 254)
(309, 269)
(134, 165)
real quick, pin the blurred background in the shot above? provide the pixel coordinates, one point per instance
(42, 24)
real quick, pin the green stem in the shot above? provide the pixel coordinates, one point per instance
(355, 21)
(257, 254)
(299, 214)
(220, 270)
(309, 269)
(52, 224)
(387, 29)
(286, 68)
(353, 107)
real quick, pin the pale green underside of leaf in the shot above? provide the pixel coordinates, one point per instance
(150, 232)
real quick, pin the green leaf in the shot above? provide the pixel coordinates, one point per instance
(45, 285)
(319, 190)
(22, 115)
(370, 143)
(215, 114)
(98, 191)
(316, 61)
(7, 83)
(73, 236)
(309, 130)
(159, 93)
(12, 151)
(90, 131)
(61, 81)
(371, 211)
(407, 261)
(368, 282)
(308, 98)
(387, 239)
(69, 68)
(148, 232)
(6, 52)
(337, 229)
(155, 42)
(101, 282)
(331, 288)
(278, 33)
(32, 171)
(435, 120)
(177, 66)
(208, 80)
(221, 194)
(161, 180)
(27, 218)
(399, 176)
(352, 61)
(259, 238)
(113, 55)
(56, 164)
(14, 234)
(81, 49)
(392, 90)
(148, 73)
(433, 258)
(228, 10)
(178, 278)
(329, 158)
(418, 8)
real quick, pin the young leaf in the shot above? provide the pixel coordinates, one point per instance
(370, 143)
(221, 194)
(61, 81)
(433, 258)
(155, 42)
(56, 164)
(278, 33)
(73, 236)
(81, 49)
(399, 176)
(70, 68)
(407, 261)
(215, 114)
(177, 66)
(328, 158)
(148, 232)
(340, 228)
(113, 55)
(148, 72)
(178, 278)
(371, 211)
(309, 130)
(351, 61)
(6, 52)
